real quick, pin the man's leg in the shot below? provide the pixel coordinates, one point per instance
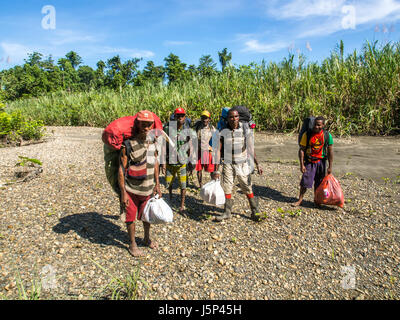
(147, 241)
(227, 184)
(306, 182)
(320, 173)
(302, 192)
(133, 248)
(169, 179)
(182, 180)
(246, 187)
(200, 178)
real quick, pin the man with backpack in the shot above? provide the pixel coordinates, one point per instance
(138, 177)
(235, 148)
(316, 145)
(204, 130)
(177, 158)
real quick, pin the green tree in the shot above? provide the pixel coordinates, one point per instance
(74, 58)
(153, 73)
(69, 76)
(175, 69)
(224, 58)
(34, 58)
(86, 76)
(99, 75)
(207, 67)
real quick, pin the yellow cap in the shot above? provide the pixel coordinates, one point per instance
(206, 113)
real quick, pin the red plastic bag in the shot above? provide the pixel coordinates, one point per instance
(329, 192)
(121, 129)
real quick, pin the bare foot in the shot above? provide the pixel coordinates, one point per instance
(296, 204)
(134, 251)
(151, 244)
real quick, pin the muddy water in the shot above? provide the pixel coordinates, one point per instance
(376, 158)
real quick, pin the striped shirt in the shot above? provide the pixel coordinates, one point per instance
(234, 145)
(142, 152)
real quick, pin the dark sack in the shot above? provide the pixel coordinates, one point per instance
(307, 126)
(244, 113)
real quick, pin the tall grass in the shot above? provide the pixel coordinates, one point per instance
(359, 94)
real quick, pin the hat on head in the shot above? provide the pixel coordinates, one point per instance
(179, 111)
(145, 115)
(206, 113)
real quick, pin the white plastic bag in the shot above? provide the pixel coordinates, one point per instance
(213, 193)
(157, 211)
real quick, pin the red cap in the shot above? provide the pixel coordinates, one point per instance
(145, 115)
(180, 111)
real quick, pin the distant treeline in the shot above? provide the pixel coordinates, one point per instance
(39, 75)
(358, 93)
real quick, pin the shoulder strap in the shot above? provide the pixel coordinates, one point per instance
(128, 150)
(326, 141)
(309, 134)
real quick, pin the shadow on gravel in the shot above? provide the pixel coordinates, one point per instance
(95, 227)
(268, 193)
(198, 210)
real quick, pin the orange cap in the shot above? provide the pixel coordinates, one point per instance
(145, 115)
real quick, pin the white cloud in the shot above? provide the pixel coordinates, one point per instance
(133, 53)
(61, 37)
(176, 43)
(15, 52)
(255, 46)
(371, 11)
(302, 9)
(316, 18)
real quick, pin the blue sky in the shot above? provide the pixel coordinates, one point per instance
(251, 30)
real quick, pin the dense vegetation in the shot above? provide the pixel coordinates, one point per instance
(358, 94)
(14, 127)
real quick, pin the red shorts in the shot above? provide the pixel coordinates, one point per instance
(205, 161)
(136, 206)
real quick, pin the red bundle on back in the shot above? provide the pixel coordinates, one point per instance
(329, 192)
(121, 129)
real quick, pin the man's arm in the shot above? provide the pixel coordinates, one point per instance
(216, 175)
(330, 158)
(259, 169)
(302, 151)
(252, 152)
(157, 189)
(121, 177)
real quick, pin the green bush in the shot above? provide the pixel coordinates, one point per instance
(13, 127)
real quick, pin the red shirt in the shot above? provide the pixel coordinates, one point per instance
(317, 145)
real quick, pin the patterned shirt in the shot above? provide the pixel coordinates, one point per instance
(181, 138)
(315, 148)
(143, 152)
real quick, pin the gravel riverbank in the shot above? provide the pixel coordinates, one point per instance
(67, 221)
